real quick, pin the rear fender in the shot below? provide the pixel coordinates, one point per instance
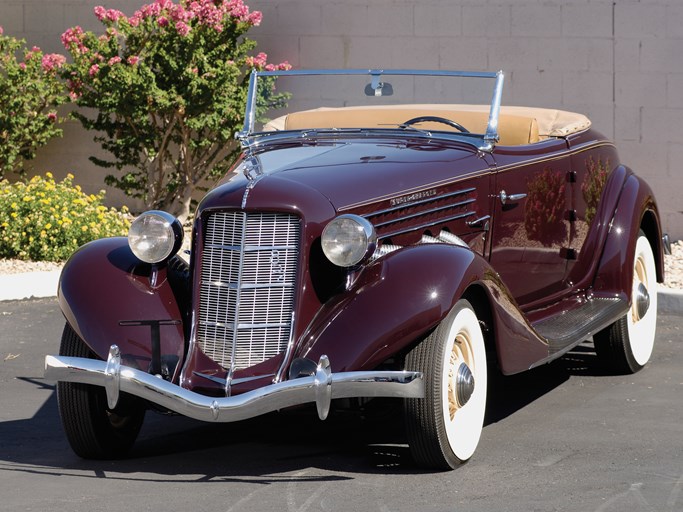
(637, 209)
(403, 296)
(104, 285)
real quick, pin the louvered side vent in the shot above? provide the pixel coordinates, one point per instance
(249, 267)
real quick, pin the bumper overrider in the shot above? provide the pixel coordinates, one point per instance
(320, 388)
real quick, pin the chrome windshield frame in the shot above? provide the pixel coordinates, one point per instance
(488, 139)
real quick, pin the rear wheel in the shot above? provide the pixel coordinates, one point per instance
(444, 427)
(626, 345)
(94, 431)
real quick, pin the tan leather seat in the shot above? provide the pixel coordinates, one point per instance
(516, 125)
(513, 130)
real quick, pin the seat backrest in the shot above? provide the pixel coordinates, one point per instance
(513, 130)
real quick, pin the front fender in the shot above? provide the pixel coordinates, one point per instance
(102, 285)
(402, 297)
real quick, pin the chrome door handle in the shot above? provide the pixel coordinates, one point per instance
(505, 197)
(480, 222)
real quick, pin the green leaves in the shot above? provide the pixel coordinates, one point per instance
(30, 91)
(169, 86)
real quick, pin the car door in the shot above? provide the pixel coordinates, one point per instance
(531, 232)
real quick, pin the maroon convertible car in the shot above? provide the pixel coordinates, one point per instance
(387, 234)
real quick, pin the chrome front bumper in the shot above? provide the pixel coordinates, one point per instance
(320, 388)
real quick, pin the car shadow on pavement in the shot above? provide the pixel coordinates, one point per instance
(264, 449)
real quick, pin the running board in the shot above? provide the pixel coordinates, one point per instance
(568, 329)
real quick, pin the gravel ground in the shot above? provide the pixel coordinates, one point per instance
(673, 263)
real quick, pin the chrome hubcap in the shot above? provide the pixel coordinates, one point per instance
(642, 301)
(464, 384)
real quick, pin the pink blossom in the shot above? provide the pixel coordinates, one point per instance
(133, 60)
(74, 95)
(52, 117)
(52, 60)
(114, 15)
(22, 66)
(182, 28)
(100, 12)
(255, 18)
(1, 31)
(114, 60)
(74, 36)
(35, 49)
(162, 21)
(257, 62)
(94, 69)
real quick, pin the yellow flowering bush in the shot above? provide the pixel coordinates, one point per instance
(45, 220)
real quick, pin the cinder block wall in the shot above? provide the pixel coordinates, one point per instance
(619, 62)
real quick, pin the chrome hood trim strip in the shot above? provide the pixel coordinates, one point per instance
(319, 388)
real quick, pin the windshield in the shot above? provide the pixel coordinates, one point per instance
(445, 102)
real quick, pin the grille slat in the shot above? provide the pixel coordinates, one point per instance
(248, 273)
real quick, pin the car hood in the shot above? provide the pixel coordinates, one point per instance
(347, 173)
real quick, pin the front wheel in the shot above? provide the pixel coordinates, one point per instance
(626, 345)
(444, 427)
(94, 431)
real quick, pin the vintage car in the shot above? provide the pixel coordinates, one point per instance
(382, 235)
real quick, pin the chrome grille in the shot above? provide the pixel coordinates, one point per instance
(248, 273)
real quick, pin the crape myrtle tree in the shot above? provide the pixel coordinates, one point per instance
(166, 89)
(30, 91)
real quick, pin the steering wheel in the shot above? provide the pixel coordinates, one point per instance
(434, 119)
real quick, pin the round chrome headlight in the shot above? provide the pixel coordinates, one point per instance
(348, 240)
(155, 236)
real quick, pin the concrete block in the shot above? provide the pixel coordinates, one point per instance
(562, 54)
(587, 88)
(390, 20)
(12, 18)
(486, 20)
(345, 19)
(443, 20)
(370, 52)
(674, 90)
(627, 54)
(536, 88)
(661, 125)
(626, 123)
(299, 19)
(640, 89)
(646, 159)
(324, 52)
(532, 20)
(675, 162)
(600, 54)
(462, 53)
(513, 53)
(639, 21)
(415, 52)
(44, 18)
(662, 55)
(674, 17)
(587, 19)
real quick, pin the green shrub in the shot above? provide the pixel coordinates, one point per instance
(44, 220)
(30, 92)
(165, 91)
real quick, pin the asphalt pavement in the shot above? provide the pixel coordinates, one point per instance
(561, 437)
